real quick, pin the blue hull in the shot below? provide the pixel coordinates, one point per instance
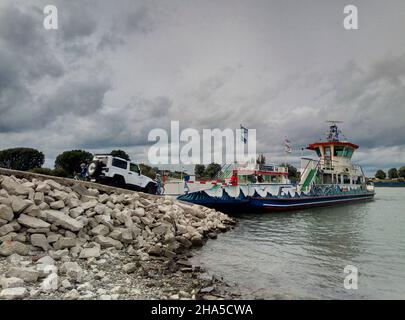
(256, 203)
(285, 204)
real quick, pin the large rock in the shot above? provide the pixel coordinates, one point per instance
(51, 283)
(39, 240)
(79, 189)
(46, 260)
(107, 242)
(63, 220)
(13, 293)
(7, 248)
(6, 212)
(89, 204)
(12, 187)
(28, 275)
(65, 242)
(53, 184)
(12, 282)
(72, 202)
(100, 230)
(32, 222)
(57, 205)
(42, 187)
(75, 212)
(73, 271)
(93, 252)
(38, 198)
(19, 205)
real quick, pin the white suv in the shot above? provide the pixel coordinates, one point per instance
(121, 173)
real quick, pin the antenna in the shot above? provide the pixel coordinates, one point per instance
(334, 131)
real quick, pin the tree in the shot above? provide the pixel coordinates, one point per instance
(147, 170)
(70, 161)
(261, 159)
(21, 159)
(380, 174)
(393, 173)
(293, 173)
(199, 170)
(120, 154)
(212, 170)
(401, 172)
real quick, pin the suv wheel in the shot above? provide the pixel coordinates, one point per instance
(151, 188)
(118, 181)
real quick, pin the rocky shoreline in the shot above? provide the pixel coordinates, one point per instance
(73, 242)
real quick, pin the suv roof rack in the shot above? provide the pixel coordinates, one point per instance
(109, 155)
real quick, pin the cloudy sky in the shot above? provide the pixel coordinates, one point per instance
(114, 70)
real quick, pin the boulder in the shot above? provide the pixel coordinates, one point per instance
(75, 212)
(7, 248)
(38, 198)
(107, 242)
(28, 275)
(46, 260)
(13, 187)
(80, 190)
(73, 271)
(12, 282)
(13, 293)
(93, 252)
(57, 204)
(6, 212)
(126, 236)
(53, 184)
(32, 222)
(43, 187)
(33, 211)
(129, 267)
(100, 230)
(197, 240)
(19, 205)
(89, 204)
(51, 283)
(65, 242)
(72, 202)
(63, 220)
(45, 269)
(39, 240)
(3, 222)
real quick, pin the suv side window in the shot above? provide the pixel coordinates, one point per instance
(119, 163)
(133, 167)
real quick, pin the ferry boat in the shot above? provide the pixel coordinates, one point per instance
(331, 179)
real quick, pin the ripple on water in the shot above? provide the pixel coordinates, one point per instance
(302, 254)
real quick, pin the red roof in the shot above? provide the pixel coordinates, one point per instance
(312, 146)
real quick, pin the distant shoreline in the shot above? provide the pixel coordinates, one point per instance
(395, 184)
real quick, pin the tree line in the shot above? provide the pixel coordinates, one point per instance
(67, 164)
(393, 173)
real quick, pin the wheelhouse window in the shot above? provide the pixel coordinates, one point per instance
(327, 152)
(348, 152)
(133, 167)
(119, 163)
(318, 151)
(338, 151)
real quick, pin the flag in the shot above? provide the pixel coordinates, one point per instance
(287, 145)
(244, 136)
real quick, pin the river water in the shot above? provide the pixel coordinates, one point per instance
(302, 254)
